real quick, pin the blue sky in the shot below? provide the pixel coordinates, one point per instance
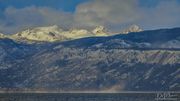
(16, 15)
(65, 5)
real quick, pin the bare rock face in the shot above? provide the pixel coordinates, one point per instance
(132, 28)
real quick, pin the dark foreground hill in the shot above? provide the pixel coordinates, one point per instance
(142, 61)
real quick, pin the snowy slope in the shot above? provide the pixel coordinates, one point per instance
(146, 61)
(55, 33)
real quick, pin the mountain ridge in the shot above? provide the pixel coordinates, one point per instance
(137, 61)
(55, 33)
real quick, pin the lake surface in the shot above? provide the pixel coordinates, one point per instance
(164, 96)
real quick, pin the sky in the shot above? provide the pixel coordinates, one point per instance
(17, 15)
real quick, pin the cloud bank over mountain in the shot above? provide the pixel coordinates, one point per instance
(112, 14)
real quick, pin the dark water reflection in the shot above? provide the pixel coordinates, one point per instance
(90, 97)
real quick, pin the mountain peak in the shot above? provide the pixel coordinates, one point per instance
(2, 35)
(132, 28)
(48, 33)
(55, 33)
(100, 31)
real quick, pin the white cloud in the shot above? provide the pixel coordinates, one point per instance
(106, 12)
(18, 19)
(110, 13)
(165, 14)
(116, 13)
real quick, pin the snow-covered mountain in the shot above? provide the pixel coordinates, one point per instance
(100, 31)
(132, 28)
(138, 61)
(2, 35)
(55, 33)
(50, 34)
